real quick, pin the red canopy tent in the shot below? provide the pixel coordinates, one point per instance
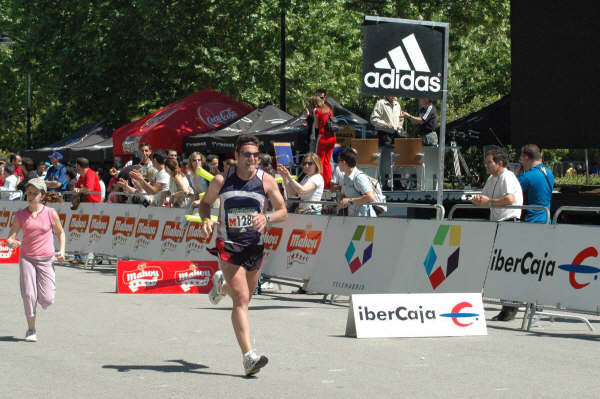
(200, 112)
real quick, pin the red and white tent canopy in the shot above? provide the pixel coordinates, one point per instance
(200, 112)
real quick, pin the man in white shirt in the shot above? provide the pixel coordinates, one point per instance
(387, 119)
(158, 187)
(501, 188)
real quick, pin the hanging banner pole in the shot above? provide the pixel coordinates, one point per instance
(442, 150)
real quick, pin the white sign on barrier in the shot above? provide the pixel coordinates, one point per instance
(7, 215)
(550, 265)
(444, 256)
(416, 315)
(361, 255)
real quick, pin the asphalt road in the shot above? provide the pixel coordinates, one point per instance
(94, 343)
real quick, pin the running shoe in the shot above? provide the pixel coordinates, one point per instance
(30, 336)
(253, 363)
(216, 292)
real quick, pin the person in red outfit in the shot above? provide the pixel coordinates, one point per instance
(326, 141)
(88, 181)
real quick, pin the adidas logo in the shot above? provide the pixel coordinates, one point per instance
(394, 79)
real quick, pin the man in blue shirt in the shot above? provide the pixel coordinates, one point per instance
(537, 182)
(56, 176)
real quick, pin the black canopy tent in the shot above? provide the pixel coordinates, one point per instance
(487, 126)
(96, 147)
(222, 141)
(84, 140)
(262, 123)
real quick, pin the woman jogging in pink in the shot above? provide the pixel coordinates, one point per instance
(37, 251)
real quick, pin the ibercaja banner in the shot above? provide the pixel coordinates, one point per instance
(165, 277)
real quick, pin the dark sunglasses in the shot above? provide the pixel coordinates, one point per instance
(249, 154)
(307, 163)
(196, 160)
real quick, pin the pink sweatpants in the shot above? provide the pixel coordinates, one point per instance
(38, 283)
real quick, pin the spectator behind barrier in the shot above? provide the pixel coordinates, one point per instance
(88, 181)
(310, 188)
(56, 176)
(357, 191)
(198, 183)
(10, 183)
(28, 172)
(158, 187)
(179, 187)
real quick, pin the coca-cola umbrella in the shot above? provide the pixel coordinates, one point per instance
(200, 112)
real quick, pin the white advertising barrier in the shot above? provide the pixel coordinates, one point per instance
(416, 315)
(293, 247)
(444, 256)
(550, 265)
(7, 214)
(365, 255)
(360, 255)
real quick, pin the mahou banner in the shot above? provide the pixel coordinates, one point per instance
(165, 277)
(7, 254)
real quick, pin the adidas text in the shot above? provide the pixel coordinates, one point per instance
(394, 80)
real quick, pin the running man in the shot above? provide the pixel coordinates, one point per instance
(243, 192)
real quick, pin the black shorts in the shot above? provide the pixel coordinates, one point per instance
(250, 258)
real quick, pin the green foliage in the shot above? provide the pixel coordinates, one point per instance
(577, 180)
(117, 60)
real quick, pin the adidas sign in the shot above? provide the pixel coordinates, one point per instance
(417, 76)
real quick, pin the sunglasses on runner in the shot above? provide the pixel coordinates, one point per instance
(249, 154)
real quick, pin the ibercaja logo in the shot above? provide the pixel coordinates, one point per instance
(271, 239)
(4, 218)
(172, 235)
(143, 277)
(303, 244)
(193, 278)
(98, 227)
(78, 225)
(194, 239)
(145, 232)
(122, 230)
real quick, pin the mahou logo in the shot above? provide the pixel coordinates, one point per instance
(194, 276)
(217, 114)
(144, 276)
(99, 224)
(79, 223)
(302, 244)
(146, 228)
(63, 218)
(172, 235)
(272, 238)
(173, 231)
(4, 218)
(194, 238)
(124, 226)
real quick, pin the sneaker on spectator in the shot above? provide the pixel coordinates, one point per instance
(216, 292)
(30, 336)
(253, 363)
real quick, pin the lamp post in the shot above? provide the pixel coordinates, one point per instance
(6, 41)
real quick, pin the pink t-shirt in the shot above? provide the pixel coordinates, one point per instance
(38, 241)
